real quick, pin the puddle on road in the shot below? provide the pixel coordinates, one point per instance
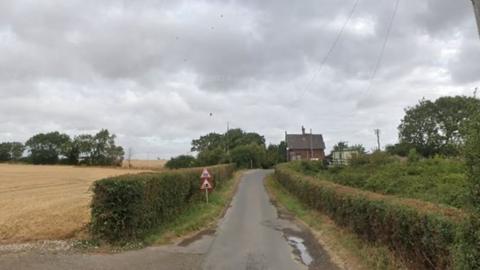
(297, 244)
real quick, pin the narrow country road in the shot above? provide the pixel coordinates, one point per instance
(253, 235)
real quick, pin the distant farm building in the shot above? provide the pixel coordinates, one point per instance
(305, 146)
(343, 157)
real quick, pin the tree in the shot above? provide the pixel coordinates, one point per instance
(472, 157)
(104, 151)
(437, 127)
(5, 152)
(47, 148)
(359, 148)
(246, 156)
(340, 146)
(17, 149)
(208, 142)
(399, 149)
(11, 151)
(214, 148)
(275, 154)
(182, 161)
(85, 145)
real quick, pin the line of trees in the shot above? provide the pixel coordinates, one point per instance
(59, 148)
(437, 127)
(246, 149)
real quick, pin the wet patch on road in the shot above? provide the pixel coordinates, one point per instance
(300, 249)
(306, 249)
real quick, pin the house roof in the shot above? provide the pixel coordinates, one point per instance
(302, 141)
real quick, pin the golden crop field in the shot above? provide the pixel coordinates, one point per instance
(145, 164)
(46, 202)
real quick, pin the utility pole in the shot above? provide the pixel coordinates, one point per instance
(377, 132)
(311, 144)
(226, 137)
(475, 92)
(130, 154)
(476, 7)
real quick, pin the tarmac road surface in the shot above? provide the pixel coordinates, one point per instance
(253, 235)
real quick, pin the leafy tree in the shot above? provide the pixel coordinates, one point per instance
(17, 150)
(275, 154)
(399, 149)
(472, 157)
(11, 151)
(359, 148)
(437, 127)
(210, 141)
(46, 148)
(216, 148)
(182, 161)
(5, 152)
(84, 144)
(249, 155)
(212, 157)
(104, 151)
(340, 146)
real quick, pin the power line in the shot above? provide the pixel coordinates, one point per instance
(384, 45)
(334, 44)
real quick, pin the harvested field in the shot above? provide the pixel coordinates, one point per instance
(46, 202)
(145, 164)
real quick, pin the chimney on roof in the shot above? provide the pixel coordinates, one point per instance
(303, 130)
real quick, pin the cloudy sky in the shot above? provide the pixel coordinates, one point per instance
(153, 71)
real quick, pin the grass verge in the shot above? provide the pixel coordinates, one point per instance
(198, 217)
(346, 248)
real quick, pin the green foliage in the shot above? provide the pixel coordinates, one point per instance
(424, 235)
(126, 208)
(275, 154)
(11, 151)
(216, 148)
(53, 148)
(399, 149)
(246, 156)
(438, 127)
(413, 156)
(212, 157)
(472, 157)
(46, 148)
(182, 161)
(208, 142)
(437, 180)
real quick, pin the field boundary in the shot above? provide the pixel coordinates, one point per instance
(415, 231)
(345, 248)
(128, 208)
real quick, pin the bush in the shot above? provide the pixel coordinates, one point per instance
(246, 156)
(126, 208)
(437, 180)
(424, 235)
(472, 156)
(182, 161)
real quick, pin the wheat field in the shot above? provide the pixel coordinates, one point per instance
(46, 202)
(144, 164)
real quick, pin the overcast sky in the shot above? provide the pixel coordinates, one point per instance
(153, 71)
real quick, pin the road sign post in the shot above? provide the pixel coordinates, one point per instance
(205, 182)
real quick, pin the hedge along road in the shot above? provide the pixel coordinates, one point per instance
(252, 235)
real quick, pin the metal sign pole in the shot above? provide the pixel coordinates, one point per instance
(206, 194)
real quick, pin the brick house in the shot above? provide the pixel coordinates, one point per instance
(305, 146)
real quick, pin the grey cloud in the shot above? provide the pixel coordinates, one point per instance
(153, 71)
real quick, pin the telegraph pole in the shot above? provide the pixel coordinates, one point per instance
(377, 133)
(476, 7)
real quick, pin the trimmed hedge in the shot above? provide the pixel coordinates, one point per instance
(424, 235)
(126, 208)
